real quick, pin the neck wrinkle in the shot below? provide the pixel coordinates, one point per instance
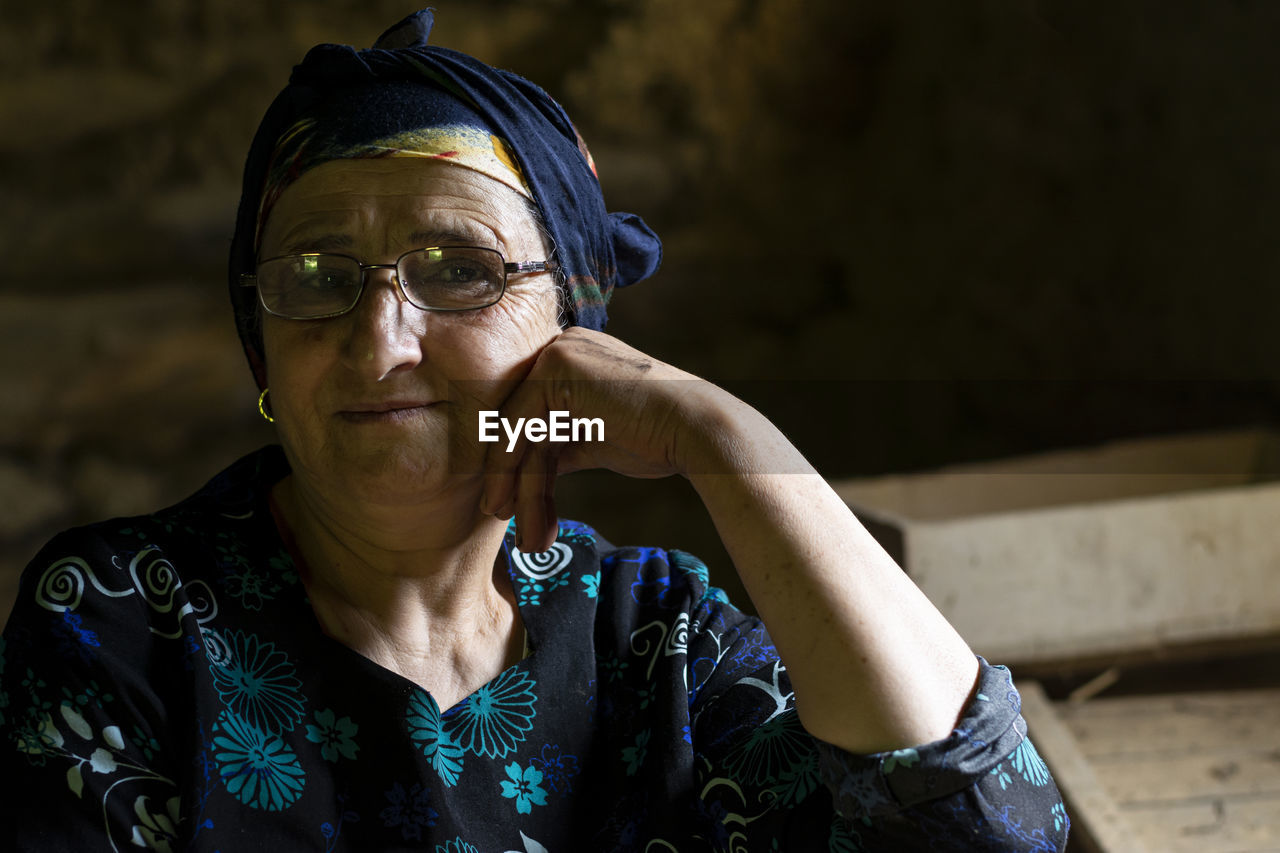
(451, 603)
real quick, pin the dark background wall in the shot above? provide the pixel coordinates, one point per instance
(911, 233)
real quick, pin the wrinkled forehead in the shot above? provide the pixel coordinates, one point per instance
(387, 121)
(393, 204)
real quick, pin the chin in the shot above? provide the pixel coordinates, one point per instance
(402, 474)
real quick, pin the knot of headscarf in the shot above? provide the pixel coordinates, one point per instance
(406, 97)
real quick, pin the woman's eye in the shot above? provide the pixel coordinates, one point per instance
(326, 279)
(461, 274)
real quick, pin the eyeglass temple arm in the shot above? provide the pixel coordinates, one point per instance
(530, 266)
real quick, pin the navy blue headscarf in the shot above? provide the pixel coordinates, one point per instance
(340, 99)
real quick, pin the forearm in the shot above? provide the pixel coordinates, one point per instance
(874, 665)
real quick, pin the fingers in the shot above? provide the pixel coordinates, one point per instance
(535, 508)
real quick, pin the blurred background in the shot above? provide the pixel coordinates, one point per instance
(913, 234)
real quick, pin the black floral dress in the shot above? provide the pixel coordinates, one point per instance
(167, 686)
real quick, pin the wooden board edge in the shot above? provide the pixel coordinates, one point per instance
(1097, 819)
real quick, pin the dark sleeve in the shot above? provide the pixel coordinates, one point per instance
(983, 788)
(81, 725)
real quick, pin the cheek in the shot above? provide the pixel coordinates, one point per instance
(292, 353)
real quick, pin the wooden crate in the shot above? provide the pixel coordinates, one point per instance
(1165, 773)
(1132, 547)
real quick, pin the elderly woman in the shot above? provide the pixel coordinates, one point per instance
(344, 643)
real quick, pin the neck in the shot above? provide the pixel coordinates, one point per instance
(430, 601)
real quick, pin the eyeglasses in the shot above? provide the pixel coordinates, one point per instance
(315, 285)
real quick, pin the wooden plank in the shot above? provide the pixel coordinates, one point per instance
(1095, 815)
(1153, 547)
(1244, 772)
(1134, 727)
(1208, 825)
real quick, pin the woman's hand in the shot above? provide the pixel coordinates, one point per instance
(873, 664)
(655, 423)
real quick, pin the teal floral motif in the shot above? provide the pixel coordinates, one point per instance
(780, 754)
(457, 845)
(334, 735)
(496, 717)
(147, 745)
(158, 830)
(900, 758)
(258, 683)
(634, 755)
(1002, 776)
(771, 750)
(1059, 813)
(284, 568)
(529, 593)
(530, 590)
(525, 786)
(423, 722)
(251, 588)
(592, 584)
(613, 667)
(862, 793)
(90, 693)
(1029, 765)
(690, 565)
(37, 737)
(843, 839)
(259, 769)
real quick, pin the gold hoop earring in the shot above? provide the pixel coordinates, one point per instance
(262, 406)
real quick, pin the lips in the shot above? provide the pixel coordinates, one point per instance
(387, 406)
(385, 410)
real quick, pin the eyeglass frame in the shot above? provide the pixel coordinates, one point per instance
(509, 268)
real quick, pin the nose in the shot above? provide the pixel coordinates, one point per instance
(384, 334)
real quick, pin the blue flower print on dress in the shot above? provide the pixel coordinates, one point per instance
(255, 680)
(410, 810)
(74, 640)
(557, 768)
(334, 735)
(576, 531)
(258, 768)
(653, 580)
(423, 722)
(496, 717)
(862, 793)
(524, 785)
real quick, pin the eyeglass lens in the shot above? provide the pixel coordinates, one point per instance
(444, 279)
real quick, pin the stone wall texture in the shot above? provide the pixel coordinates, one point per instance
(911, 233)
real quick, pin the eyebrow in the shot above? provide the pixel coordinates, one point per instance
(425, 238)
(436, 237)
(321, 243)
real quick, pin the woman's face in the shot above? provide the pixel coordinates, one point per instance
(380, 404)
